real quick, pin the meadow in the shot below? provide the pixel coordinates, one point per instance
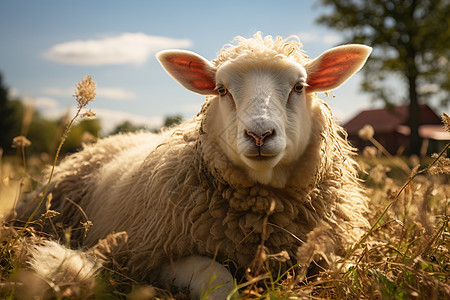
(404, 255)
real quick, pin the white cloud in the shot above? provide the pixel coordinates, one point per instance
(316, 37)
(191, 108)
(41, 102)
(307, 37)
(13, 93)
(49, 107)
(330, 39)
(113, 93)
(46, 103)
(111, 118)
(127, 48)
(428, 88)
(57, 91)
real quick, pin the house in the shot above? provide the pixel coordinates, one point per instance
(392, 131)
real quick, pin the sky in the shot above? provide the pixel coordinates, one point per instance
(47, 46)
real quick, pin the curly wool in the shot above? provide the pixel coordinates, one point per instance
(262, 48)
(176, 194)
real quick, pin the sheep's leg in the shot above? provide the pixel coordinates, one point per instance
(60, 265)
(202, 275)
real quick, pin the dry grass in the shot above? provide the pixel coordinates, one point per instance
(405, 255)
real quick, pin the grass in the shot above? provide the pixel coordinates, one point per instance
(405, 254)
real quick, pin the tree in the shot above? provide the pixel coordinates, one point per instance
(126, 126)
(42, 134)
(172, 120)
(74, 140)
(10, 118)
(410, 40)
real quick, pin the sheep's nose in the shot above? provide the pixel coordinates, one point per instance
(259, 138)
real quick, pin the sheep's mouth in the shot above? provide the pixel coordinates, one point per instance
(260, 157)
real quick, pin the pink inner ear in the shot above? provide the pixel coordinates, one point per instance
(333, 69)
(193, 71)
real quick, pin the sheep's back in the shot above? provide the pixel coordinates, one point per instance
(82, 181)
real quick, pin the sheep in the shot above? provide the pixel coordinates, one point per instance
(262, 163)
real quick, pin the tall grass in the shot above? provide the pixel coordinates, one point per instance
(404, 255)
(11, 253)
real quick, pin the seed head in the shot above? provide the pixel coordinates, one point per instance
(366, 133)
(370, 151)
(85, 92)
(446, 121)
(88, 114)
(20, 141)
(441, 166)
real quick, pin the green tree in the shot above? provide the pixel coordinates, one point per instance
(126, 126)
(172, 120)
(43, 134)
(74, 141)
(10, 118)
(410, 40)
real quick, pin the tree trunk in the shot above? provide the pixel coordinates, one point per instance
(414, 117)
(415, 141)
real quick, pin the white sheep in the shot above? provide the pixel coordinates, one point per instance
(262, 163)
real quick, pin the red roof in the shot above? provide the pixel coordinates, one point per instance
(388, 119)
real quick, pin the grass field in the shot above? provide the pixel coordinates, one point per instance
(405, 255)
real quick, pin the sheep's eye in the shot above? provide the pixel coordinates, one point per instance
(222, 90)
(298, 87)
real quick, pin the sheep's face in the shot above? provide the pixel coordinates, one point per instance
(265, 118)
(261, 113)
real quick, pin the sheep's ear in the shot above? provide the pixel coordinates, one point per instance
(190, 69)
(333, 67)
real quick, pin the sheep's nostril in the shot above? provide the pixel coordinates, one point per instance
(259, 138)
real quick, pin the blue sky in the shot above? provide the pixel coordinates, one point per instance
(47, 46)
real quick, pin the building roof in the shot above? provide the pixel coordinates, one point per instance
(388, 120)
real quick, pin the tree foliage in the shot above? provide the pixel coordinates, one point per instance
(10, 112)
(87, 130)
(410, 40)
(127, 126)
(172, 120)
